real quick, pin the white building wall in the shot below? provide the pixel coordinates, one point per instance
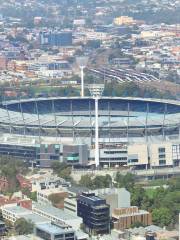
(139, 151)
(156, 153)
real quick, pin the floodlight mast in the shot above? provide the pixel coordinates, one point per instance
(96, 91)
(82, 62)
(82, 80)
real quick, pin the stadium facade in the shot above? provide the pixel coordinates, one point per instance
(132, 131)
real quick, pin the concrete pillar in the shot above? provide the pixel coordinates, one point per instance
(96, 133)
(82, 81)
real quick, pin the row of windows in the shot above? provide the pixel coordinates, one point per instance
(114, 152)
(132, 160)
(118, 159)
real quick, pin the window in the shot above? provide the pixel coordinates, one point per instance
(43, 234)
(54, 157)
(133, 160)
(73, 157)
(69, 235)
(162, 162)
(58, 236)
(162, 150)
(46, 148)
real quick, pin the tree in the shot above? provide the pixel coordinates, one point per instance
(33, 196)
(97, 182)
(137, 196)
(22, 226)
(58, 166)
(62, 170)
(137, 225)
(65, 174)
(86, 181)
(29, 194)
(10, 168)
(126, 181)
(26, 191)
(162, 216)
(174, 183)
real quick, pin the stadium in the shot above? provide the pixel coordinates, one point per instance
(123, 123)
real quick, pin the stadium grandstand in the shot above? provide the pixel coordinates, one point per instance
(132, 131)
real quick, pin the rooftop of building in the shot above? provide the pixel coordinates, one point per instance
(53, 229)
(77, 190)
(52, 191)
(139, 212)
(36, 219)
(16, 209)
(25, 213)
(23, 237)
(143, 230)
(107, 191)
(81, 235)
(59, 213)
(90, 196)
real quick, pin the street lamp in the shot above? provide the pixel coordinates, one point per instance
(82, 63)
(96, 91)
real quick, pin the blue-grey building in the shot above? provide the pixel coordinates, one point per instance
(56, 38)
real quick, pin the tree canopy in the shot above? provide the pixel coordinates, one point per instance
(62, 170)
(22, 226)
(96, 182)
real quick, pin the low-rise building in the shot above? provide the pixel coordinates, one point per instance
(70, 203)
(44, 196)
(123, 20)
(123, 218)
(45, 180)
(53, 232)
(23, 237)
(57, 216)
(12, 212)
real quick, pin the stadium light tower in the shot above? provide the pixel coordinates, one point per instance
(96, 91)
(82, 63)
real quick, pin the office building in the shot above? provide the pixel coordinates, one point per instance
(95, 213)
(74, 154)
(44, 153)
(115, 197)
(56, 38)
